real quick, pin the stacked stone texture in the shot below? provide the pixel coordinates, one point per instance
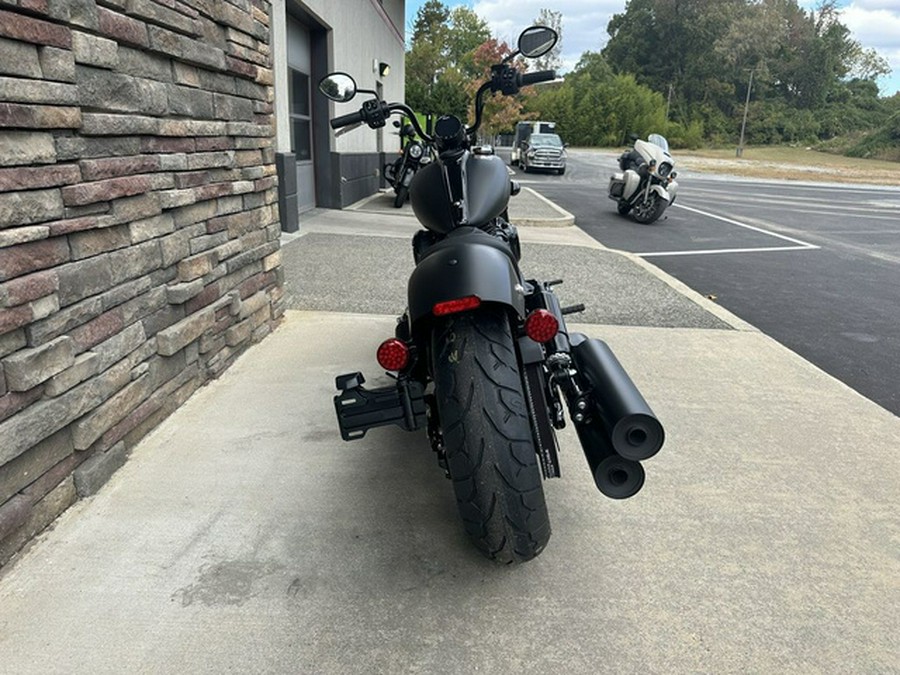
(139, 234)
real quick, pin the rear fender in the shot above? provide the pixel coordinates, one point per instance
(463, 269)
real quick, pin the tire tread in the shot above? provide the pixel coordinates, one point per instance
(487, 433)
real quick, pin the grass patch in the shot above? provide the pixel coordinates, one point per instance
(792, 163)
(790, 155)
(780, 162)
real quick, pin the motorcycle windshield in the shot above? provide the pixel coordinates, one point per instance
(656, 139)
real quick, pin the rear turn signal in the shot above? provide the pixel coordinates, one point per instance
(393, 354)
(541, 326)
(454, 306)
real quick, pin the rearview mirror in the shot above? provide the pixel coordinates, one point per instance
(537, 41)
(338, 87)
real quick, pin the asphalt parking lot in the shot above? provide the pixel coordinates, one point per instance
(815, 266)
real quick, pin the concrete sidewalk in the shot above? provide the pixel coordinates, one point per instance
(244, 536)
(526, 209)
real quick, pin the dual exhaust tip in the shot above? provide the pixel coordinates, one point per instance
(622, 430)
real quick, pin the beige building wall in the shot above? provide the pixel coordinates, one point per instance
(356, 37)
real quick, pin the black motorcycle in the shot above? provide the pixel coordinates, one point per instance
(400, 172)
(482, 357)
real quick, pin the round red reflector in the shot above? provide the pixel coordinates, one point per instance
(541, 326)
(393, 354)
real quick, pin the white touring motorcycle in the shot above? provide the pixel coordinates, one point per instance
(646, 185)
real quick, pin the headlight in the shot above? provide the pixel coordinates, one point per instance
(664, 169)
(415, 151)
(530, 154)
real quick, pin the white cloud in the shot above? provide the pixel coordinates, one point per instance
(583, 21)
(878, 28)
(892, 5)
(875, 24)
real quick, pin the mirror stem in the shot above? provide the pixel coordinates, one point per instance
(511, 56)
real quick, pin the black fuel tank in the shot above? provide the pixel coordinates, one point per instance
(487, 190)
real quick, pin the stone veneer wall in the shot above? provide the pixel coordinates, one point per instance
(139, 234)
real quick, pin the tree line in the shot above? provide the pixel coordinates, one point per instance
(682, 68)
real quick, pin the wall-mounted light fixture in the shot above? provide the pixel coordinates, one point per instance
(384, 69)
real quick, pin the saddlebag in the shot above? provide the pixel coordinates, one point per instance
(617, 186)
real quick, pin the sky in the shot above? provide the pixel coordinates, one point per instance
(874, 23)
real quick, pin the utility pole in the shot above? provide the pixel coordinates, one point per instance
(740, 148)
(668, 101)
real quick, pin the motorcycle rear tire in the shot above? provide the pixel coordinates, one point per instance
(402, 194)
(649, 213)
(487, 436)
(623, 207)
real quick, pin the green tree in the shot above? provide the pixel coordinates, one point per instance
(431, 24)
(670, 42)
(595, 106)
(803, 64)
(426, 59)
(500, 112)
(440, 61)
(468, 32)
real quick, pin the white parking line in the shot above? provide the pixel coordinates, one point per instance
(814, 205)
(804, 244)
(707, 251)
(799, 245)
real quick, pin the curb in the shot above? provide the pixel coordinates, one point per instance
(565, 219)
(705, 303)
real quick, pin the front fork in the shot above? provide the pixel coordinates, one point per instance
(647, 189)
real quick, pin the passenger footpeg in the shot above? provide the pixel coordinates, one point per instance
(360, 409)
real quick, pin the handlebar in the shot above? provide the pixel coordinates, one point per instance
(347, 120)
(504, 80)
(526, 79)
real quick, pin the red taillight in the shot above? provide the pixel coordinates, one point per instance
(393, 354)
(541, 326)
(454, 306)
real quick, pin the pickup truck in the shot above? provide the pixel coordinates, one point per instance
(543, 151)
